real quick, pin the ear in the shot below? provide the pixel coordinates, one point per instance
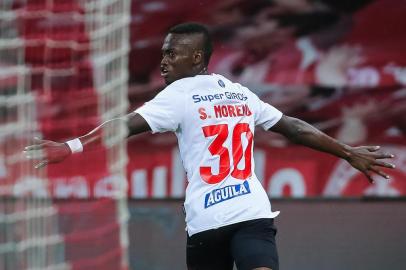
(198, 57)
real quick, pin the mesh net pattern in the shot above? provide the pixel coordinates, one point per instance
(63, 71)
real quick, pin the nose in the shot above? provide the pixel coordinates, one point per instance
(164, 61)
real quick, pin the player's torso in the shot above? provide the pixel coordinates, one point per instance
(216, 143)
(217, 118)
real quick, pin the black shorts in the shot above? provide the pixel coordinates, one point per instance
(249, 244)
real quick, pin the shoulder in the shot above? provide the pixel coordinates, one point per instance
(175, 90)
(187, 83)
(230, 84)
(176, 86)
(227, 84)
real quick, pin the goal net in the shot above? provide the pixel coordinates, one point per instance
(63, 71)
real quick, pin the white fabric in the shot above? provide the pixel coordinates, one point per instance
(75, 145)
(188, 107)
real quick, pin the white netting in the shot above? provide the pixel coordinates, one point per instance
(63, 70)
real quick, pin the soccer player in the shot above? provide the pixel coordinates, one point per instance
(228, 213)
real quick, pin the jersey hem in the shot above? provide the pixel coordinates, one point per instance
(190, 233)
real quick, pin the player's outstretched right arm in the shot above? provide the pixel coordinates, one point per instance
(45, 152)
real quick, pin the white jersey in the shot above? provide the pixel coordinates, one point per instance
(214, 121)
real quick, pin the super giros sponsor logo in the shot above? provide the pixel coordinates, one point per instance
(226, 193)
(225, 95)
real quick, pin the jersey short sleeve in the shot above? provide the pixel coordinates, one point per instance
(265, 114)
(165, 111)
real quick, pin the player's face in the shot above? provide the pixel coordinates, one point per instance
(178, 56)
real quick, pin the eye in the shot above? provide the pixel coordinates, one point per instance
(168, 53)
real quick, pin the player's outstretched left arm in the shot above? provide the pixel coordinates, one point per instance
(46, 152)
(367, 159)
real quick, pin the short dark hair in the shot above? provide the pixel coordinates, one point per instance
(196, 28)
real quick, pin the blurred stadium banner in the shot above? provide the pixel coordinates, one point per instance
(321, 63)
(285, 172)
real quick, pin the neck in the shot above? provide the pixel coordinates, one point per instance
(203, 71)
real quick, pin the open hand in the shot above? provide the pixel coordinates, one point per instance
(368, 160)
(46, 152)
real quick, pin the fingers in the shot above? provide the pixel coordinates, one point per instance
(377, 155)
(38, 144)
(385, 164)
(37, 155)
(33, 147)
(383, 155)
(373, 148)
(379, 172)
(34, 154)
(369, 176)
(41, 164)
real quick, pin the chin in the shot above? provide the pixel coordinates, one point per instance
(169, 80)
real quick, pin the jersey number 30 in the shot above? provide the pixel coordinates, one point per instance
(217, 148)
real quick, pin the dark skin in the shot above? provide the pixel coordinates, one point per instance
(183, 56)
